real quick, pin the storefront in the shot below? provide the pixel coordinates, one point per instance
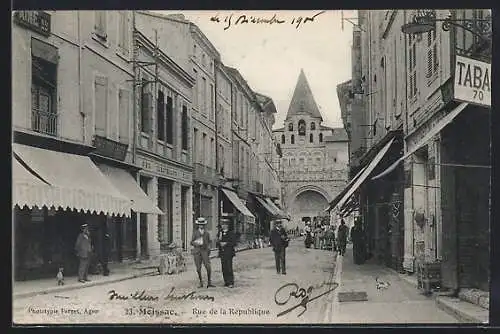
(171, 184)
(243, 220)
(53, 194)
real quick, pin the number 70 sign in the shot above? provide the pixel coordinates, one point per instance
(472, 81)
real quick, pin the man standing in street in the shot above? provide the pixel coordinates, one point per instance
(83, 248)
(226, 243)
(279, 242)
(201, 251)
(342, 237)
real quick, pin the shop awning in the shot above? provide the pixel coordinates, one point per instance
(75, 181)
(434, 131)
(125, 183)
(279, 213)
(365, 173)
(271, 212)
(233, 197)
(345, 190)
(27, 189)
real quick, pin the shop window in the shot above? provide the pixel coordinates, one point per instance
(160, 116)
(44, 89)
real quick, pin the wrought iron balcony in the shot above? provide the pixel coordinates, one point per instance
(205, 174)
(44, 122)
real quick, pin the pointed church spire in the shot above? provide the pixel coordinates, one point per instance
(303, 99)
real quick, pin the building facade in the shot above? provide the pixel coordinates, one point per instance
(411, 78)
(314, 166)
(73, 138)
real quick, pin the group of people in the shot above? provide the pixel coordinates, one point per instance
(325, 235)
(226, 242)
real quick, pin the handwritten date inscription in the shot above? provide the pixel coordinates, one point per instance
(292, 292)
(234, 20)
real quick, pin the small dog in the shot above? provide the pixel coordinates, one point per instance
(381, 284)
(60, 276)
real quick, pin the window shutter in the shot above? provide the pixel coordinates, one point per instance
(100, 25)
(100, 91)
(435, 58)
(429, 62)
(145, 112)
(124, 116)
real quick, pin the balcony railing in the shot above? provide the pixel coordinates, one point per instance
(44, 122)
(205, 174)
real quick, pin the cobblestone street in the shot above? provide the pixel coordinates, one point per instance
(252, 300)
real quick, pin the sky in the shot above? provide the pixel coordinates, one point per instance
(270, 56)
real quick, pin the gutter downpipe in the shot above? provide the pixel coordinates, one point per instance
(80, 83)
(216, 66)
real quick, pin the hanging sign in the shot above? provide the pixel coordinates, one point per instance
(472, 81)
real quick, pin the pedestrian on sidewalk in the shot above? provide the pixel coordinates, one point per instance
(358, 242)
(83, 248)
(279, 242)
(106, 248)
(226, 243)
(342, 237)
(201, 251)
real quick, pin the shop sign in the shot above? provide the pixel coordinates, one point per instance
(110, 148)
(163, 170)
(472, 81)
(37, 21)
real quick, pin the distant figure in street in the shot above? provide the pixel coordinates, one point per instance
(342, 233)
(330, 238)
(358, 242)
(83, 248)
(226, 243)
(279, 242)
(201, 251)
(106, 248)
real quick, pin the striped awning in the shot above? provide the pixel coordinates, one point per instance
(74, 181)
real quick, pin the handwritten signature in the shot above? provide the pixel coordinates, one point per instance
(245, 19)
(144, 296)
(292, 291)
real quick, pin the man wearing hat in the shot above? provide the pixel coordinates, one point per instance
(83, 248)
(279, 242)
(201, 250)
(226, 241)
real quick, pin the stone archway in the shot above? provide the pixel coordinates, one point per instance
(309, 201)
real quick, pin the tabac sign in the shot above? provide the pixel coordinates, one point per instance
(472, 81)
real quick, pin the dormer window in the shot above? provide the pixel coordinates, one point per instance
(313, 126)
(290, 127)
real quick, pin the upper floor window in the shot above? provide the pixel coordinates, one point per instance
(311, 138)
(146, 99)
(100, 27)
(313, 126)
(101, 105)
(432, 61)
(292, 139)
(412, 68)
(320, 137)
(194, 50)
(302, 128)
(170, 121)
(160, 116)
(44, 87)
(123, 37)
(290, 127)
(282, 139)
(204, 60)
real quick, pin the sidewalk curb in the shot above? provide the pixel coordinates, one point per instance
(97, 283)
(462, 311)
(87, 285)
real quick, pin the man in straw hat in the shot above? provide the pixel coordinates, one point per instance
(279, 242)
(83, 248)
(201, 250)
(226, 241)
